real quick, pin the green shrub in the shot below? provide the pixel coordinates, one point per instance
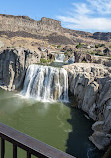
(50, 60)
(92, 52)
(43, 60)
(12, 47)
(84, 61)
(80, 45)
(99, 52)
(66, 53)
(99, 45)
(102, 45)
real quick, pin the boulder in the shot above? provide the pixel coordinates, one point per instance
(100, 140)
(98, 126)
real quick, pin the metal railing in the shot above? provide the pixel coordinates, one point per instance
(30, 145)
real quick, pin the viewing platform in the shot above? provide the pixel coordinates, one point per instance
(30, 145)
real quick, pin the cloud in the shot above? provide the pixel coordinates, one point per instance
(102, 6)
(81, 8)
(94, 15)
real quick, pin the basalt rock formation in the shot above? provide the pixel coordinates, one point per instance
(88, 58)
(45, 29)
(13, 66)
(23, 23)
(102, 36)
(91, 86)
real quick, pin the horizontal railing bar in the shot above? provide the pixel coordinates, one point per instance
(30, 144)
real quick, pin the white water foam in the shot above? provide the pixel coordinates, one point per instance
(59, 58)
(45, 83)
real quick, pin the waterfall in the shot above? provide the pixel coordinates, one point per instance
(46, 83)
(59, 58)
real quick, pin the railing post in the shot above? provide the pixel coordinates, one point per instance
(14, 151)
(28, 155)
(2, 148)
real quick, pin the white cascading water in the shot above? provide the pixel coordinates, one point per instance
(59, 58)
(46, 83)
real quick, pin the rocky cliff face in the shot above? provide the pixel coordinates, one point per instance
(13, 65)
(44, 29)
(88, 58)
(102, 36)
(25, 26)
(23, 23)
(91, 86)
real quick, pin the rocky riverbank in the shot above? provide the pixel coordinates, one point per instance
(91, 86)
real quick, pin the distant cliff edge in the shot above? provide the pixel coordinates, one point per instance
(46, 28)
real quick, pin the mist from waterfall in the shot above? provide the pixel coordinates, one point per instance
(46, 83)
(59, 58)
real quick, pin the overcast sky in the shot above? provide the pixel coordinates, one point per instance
(85, 15)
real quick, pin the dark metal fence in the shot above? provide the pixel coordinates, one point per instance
(30, 145)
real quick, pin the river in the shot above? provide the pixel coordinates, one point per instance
(56, 124)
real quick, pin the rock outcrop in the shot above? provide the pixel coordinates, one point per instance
(106, 36)
(10, 23)
(24, 26)
(91, 86)
(45, 29)
(88, 58)
(13, 66)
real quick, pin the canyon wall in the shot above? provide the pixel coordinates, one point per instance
(45, 25)
(13, 66)
(23, 23)
(106, 36)
(45, 29)
(91, 86)
(17, 24)
(89, 83)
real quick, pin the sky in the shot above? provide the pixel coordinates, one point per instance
(83, 15)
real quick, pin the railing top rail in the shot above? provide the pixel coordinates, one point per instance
(28, 143)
